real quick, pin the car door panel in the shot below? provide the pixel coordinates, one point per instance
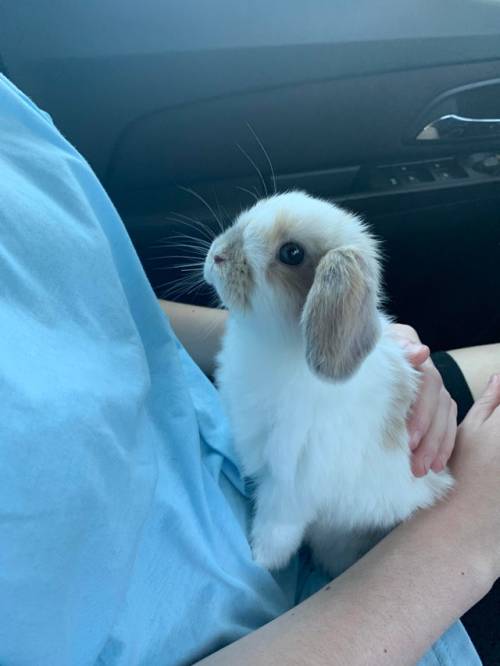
(158, 96)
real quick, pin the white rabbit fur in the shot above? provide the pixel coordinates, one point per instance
(321, 433)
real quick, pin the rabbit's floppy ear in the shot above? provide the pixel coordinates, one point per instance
(340, 321)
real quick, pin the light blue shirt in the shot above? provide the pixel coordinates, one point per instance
(123, 519)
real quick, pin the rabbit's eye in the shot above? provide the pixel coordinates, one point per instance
(291, 254)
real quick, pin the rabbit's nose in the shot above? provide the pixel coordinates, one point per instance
(218, 259)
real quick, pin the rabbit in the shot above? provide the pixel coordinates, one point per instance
(316, 390)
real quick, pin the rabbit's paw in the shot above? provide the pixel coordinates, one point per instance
(273, 547)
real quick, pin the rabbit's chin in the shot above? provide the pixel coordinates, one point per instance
(278, 324)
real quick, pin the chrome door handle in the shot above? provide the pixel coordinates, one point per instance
(455, 128)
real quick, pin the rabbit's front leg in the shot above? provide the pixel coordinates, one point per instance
(278, 526)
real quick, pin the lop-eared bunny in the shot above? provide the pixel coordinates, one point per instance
(316, 390)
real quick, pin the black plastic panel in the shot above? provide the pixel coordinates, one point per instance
(100, 68)
(311, 126)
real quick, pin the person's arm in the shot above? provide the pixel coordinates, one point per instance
(199, 329)
(387, 609)
(392, 605)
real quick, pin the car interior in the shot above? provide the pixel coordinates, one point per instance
(189, 111)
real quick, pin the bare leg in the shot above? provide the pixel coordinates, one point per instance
(477, 365)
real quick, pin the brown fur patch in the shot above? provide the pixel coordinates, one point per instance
(294, 280)
(340, 318)
(239, 281)
(395, 426)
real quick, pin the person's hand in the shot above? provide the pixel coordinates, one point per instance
(432, 424)
(475, 465)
